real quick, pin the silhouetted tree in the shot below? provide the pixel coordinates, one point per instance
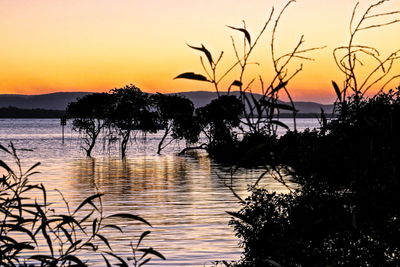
(131, 113)
(90, 116)
(217, 120)
(176, 116)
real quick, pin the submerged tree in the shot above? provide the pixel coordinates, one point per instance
(176, 116)
(217, 121)
(90, 116)
(131, 113)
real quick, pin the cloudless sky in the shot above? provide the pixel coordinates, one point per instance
(97, 45)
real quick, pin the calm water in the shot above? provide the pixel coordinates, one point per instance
(183, 198)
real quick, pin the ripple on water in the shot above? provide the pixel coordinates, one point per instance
(182, 197)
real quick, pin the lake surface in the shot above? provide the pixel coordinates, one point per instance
(183, 197)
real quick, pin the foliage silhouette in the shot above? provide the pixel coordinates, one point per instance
(345, 211)
(359, 78)
(175, 115)
(131, 114)
(32, 232)
(217, 121)
(90, 116)
(260, 116)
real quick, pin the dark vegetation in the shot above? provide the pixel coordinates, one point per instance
(127, 112)
(33, 233)
(344, 209)
(13, 112)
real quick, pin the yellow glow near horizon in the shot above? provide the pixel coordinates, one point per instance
(97, 45)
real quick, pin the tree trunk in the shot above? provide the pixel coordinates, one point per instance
(162, 140)
(124, 143)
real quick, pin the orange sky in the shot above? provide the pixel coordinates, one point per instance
(96, 45)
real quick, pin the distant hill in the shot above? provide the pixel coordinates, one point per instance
(54, 101)
(202, 98)
(59, 101)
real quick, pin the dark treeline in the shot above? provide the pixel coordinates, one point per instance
(127, 111)
(13, 112)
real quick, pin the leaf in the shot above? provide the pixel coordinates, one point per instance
(88, 200)
(237, 83)
(337, 90)
(47, 237)
(144, 262)
(205, 51)
(73, 245)
(105, 259)
(91, 245)
(86, 217)
(151, 251)
(278, 105)
(279, 123)
(104, 240)
(130, 216)
(44, 194)
(23, 246)
(7, 239)
(122, 262)
(192, 76)
(18, 228)
(67, 234)
(113, 226)
(33, 167)
(72, 258)
(4, 149)
(279, 87)
(94, 226)
(42, 227)
(246, 33)
(66, 219)
(5, 166)
(144, 234)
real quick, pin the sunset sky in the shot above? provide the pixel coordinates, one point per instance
(97, 45)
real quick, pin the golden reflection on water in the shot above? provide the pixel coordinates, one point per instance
(138, 174)
(182, 197)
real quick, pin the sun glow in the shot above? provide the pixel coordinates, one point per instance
(97, 45)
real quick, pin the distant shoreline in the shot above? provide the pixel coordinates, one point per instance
(18, 113)
(37, 113)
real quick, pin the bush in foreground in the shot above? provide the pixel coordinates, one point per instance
(346, 211)
(32, 233)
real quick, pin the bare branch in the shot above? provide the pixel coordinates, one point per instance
(379, 25)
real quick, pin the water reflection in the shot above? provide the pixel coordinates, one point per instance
(121, 177)
(182, 197)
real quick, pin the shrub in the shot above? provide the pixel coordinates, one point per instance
(346, 211)
(32, 232)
